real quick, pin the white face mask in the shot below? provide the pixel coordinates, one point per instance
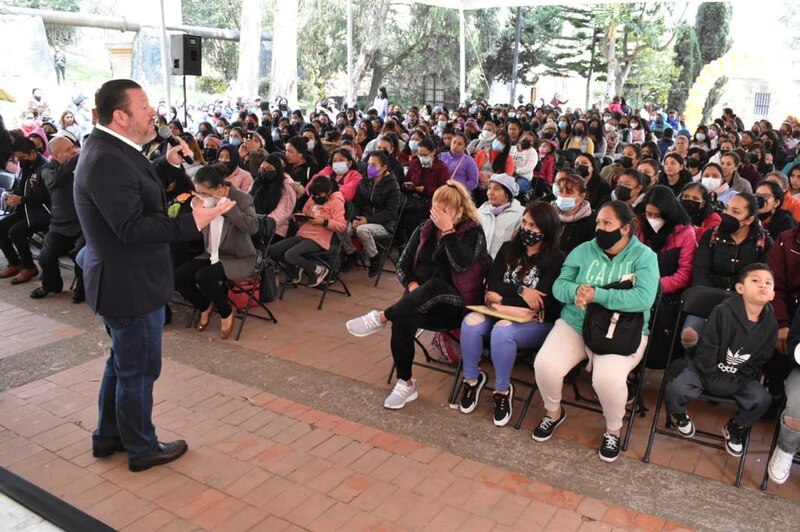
(310, 144)
(340, 167)
(711, 183)
(220, 130)
(656, 223)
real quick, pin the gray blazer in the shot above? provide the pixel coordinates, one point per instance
(236, 251)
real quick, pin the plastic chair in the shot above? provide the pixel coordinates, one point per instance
(697, 301)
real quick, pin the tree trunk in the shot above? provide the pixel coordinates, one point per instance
(620, 77)
(377, 79)
(609, 48)
(249, 48)
(371, 24)
(284, 51)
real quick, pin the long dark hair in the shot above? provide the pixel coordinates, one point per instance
(267, 192)
(300, 144)
(499, 163)
(708, 202)
(673, 214)
(545, 216)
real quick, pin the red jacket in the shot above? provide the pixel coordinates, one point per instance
(547, 170)
(428, 178)
(784, 260)
(348, 183)
(682, 237)
(712, 220)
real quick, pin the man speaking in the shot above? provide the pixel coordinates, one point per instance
(127, 266)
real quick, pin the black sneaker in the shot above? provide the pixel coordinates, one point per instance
(684, 425)
(471, 393)
(375, 265)
(609, 451)
(734, 438)
(503, 406)
(547, 426)
(348, 262)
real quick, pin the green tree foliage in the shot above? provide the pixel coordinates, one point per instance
(221, 56)
(56, 35)
(650, 78)
(712, 26)
(688, 62)
(553, 41)
(321, 46)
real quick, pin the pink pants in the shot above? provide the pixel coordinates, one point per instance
(563, 350)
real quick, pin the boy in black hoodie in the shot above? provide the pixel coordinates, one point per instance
(738, 340)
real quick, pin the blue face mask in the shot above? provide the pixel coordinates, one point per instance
(236, 142)
(565, 204)
(413, 145)
(497, 145)
(562, 125)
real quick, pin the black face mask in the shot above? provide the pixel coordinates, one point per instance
(249, 126)
(285, 138)
(626, 162)
(26, 164)
(729, 223)
(582, 170)
(210, 154)
(525, 144)
(765, 215)
(623, 193)
(578, 131)
(691, 207)
(607, 239)
(267, 175)
(530, 238)
(319, 200)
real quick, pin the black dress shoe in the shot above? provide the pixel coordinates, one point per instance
(375, 265)
(105, 449)
(78, 296)
(39, 293)
(167, 452)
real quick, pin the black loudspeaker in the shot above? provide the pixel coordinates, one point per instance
(187, 55)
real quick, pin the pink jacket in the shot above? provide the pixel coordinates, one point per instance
(241, 179)
(348, 183)
(333, 211)
(682, 237)
(283, 212)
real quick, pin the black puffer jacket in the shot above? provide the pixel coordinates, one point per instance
(35, 198)
(379, 201)
(719, 259)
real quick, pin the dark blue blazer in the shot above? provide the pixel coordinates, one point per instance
(122, 208)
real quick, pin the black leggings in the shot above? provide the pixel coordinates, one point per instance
(434, 305)
(202, 284)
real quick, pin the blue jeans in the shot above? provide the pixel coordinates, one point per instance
(126, 393)
(524, 184)
(505, 338)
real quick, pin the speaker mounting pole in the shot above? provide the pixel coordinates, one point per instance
(185, 105)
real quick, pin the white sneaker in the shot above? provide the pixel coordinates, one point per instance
(402, 394)
(780, 465)
(365, 325)
(320, 274)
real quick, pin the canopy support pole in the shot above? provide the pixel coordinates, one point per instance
(350, 101)
(516, 58)
(165, 60)
(462, 49)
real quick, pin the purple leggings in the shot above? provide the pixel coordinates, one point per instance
(504, 342)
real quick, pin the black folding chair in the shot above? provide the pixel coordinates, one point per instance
(254, 283)
(384, 244)
(696, 301)
(332, 260)
(6, 183)
(591, 404)
(795, 460)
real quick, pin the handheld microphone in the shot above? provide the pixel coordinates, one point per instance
(166, 133)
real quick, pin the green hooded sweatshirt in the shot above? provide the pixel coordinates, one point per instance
(588, 264)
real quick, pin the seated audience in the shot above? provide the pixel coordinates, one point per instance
(697, 202)
(501, 215)
(461, 166)
(588, 168)
(574, 212)
(773, 218)
(442, 270)
(229, 251)
(323, 217)
(738, 339)
(520, 284)
(228, 155)
(613, 253)
(273, 194)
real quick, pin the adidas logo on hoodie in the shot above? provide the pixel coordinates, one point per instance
(733, 360)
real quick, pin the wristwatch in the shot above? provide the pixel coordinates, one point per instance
(520, 290)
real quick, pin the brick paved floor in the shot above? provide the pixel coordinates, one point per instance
(22, 330)
(261, 462)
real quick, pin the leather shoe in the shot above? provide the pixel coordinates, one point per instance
(103, 450)
(39, 293)
(167, 452)
(78, 296)
(25, 275)
(225, 333)
(10, 271)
